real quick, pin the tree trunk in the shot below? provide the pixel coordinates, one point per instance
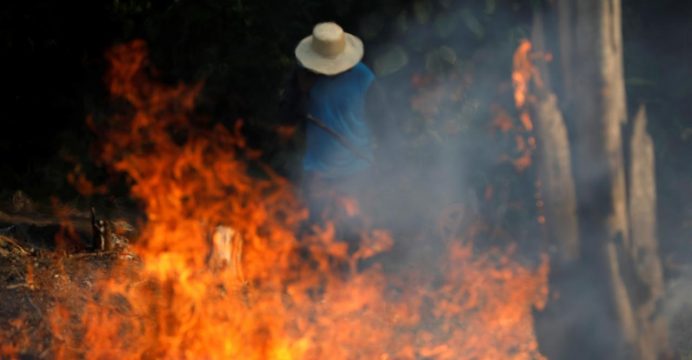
(597, 98)
(562, 328)
(644, 245)
(557, 184)
(566, 11)
(554, 162)
(616, 321)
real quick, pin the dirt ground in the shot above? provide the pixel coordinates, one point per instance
(33, 279)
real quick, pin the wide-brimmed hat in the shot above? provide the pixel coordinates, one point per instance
(329, 50)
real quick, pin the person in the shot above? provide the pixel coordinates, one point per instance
(329, 93)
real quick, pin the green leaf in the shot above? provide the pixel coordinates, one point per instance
(370, 26)
(401, 22)
(441, 59)
(390, 61)
(472, 23)
(445, 24)
(422, 11)
(490, 6)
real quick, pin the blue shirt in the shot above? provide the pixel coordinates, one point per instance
(339, 101)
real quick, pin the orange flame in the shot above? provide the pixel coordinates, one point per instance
(294, 299)
(523, 74)
(81, 183)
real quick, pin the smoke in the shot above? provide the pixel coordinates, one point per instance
(677, 309)
(446, 70)
(451, 152)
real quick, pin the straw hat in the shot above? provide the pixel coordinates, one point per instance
(329, 50)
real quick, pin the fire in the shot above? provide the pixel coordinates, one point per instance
(279, 295)
(524, 72)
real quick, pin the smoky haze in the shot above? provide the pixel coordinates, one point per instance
(452, 150)
(447, 72)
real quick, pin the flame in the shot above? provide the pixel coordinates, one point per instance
(82, 184)
(524, 73)
(13, 349)
(67, 233)
(278, 296)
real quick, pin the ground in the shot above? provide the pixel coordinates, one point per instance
(32, 280)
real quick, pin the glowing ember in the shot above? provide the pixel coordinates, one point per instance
(523, 74)
(291, 298)
(524, 71)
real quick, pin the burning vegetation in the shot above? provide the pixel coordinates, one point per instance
(221, 267)
(514, 205)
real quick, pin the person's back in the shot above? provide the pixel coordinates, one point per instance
(328, 93)
(338, 102)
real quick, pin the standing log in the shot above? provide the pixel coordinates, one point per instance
(555, 172)
(644, 245)
(554, 162)
(566, 10)
(597, 98)
(618, 320)
(556, 325)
